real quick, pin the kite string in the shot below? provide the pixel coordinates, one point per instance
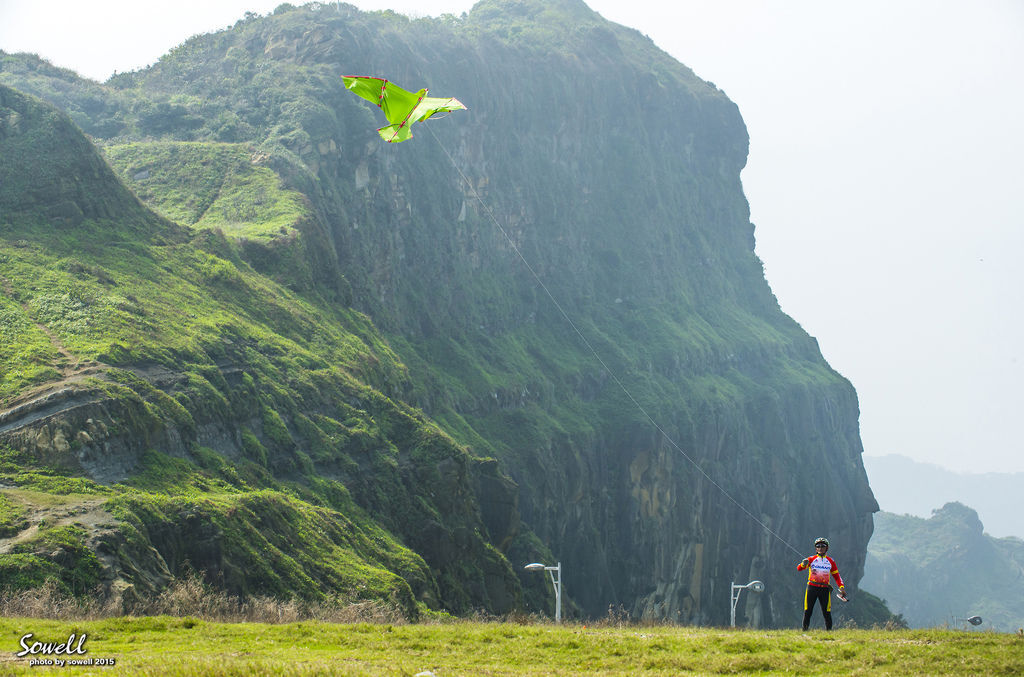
(597, 356)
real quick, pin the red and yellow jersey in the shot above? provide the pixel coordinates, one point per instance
(821, 567)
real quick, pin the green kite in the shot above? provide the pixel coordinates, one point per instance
(400, 107)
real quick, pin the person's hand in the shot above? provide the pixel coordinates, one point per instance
(805, 562)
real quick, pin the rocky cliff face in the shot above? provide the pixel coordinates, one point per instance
(567, 269)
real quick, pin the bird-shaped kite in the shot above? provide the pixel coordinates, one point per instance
(400, 107)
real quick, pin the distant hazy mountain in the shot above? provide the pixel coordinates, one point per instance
(931, 570)
(904, 486)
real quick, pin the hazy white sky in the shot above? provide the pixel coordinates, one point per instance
(885, 178)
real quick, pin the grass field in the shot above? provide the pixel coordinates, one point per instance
(167, 645)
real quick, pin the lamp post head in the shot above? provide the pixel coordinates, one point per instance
(556, 582)
(756, 586)
(974, 620)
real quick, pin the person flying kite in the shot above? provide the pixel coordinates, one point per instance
(400, 107)
(821, 567)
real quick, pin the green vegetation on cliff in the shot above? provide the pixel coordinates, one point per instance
(336, 327)
(170, 341)
(930, 570)
(210, 186)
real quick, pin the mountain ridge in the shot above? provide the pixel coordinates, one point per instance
(653, 255)
(952, 562)
(997, 497)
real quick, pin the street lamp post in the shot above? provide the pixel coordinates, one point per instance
(734, 594)
(556, 581)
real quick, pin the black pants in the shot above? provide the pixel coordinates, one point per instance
(816, 593)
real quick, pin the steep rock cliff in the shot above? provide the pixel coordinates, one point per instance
(567, 269)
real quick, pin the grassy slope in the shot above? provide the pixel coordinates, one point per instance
(210, 185)
(187, 646)
(297, 380)
(134, 310)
